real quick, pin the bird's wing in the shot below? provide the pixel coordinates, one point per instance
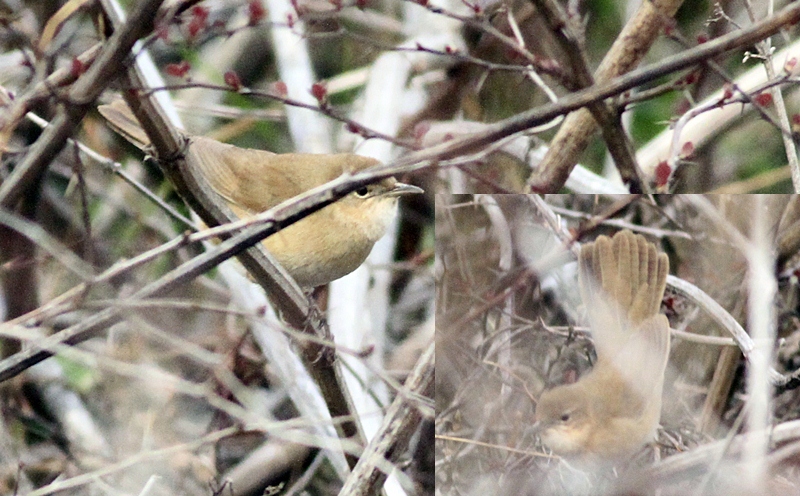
(641, 361)
(245, 177)
(228, 169)
(124, 123)
(251, 180)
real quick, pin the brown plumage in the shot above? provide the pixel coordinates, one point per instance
(614, 409)
(324, 246)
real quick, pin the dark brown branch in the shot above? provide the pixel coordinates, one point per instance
(632, 43)
(540, 115)
(24, 103)
(179, 164)
(79, 100)
(284, 214)
(610, 124)
(391, 440)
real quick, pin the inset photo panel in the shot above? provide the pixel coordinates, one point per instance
(617, 344)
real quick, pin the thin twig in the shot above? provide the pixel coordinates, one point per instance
(83, 92)
(392, 439)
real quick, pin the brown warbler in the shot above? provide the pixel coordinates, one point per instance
(324, 246)
(614, 409)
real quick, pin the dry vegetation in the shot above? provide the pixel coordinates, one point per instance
(175, 376)
(510, 323)
(176, 373)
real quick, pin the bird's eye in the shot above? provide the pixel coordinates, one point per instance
(565, 417)
(362, 192)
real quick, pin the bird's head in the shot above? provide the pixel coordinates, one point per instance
(563, 419)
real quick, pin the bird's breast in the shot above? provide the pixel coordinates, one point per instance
(326, 245)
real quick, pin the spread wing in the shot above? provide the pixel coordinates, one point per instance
(622, 282)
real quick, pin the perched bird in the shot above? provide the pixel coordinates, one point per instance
(614, 409)
(324, 246)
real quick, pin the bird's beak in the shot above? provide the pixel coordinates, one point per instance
(403, 189)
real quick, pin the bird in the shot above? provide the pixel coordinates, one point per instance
(322, 247)
(611, 412)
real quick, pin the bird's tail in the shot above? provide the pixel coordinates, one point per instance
(122, 120)
(622, 281)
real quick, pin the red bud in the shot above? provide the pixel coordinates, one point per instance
(663, 172)
(763, 99)
(255, 12)
(178, 70)
(319, 92)
(232, 80)
(279, 87)
(77, 67)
